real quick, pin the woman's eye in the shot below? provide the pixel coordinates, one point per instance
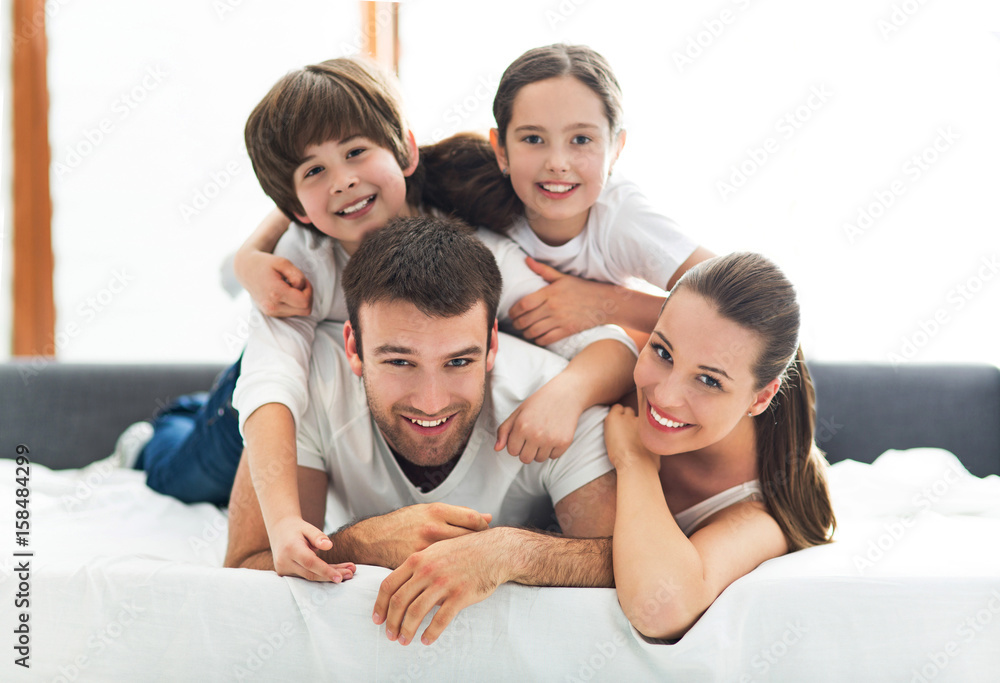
(710, 381)
(580, 139)
(662, 352)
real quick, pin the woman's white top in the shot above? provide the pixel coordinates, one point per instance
(689, 520)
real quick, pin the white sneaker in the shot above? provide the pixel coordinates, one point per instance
(130, 444)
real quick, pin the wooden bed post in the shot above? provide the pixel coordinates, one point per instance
(33, 304)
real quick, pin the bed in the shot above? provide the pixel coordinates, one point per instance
(124, 584)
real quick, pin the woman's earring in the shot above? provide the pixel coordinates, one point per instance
(749, 414)
(504, 172)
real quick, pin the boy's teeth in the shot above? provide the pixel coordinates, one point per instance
(428, 423)
(666, 422)
(357, 207)
(556, 187)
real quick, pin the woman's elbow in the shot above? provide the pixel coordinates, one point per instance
(663, 614)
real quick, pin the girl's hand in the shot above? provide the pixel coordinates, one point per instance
(568, 305)
(277, 287)
(294, 543)
(621, 438)
(542, 427)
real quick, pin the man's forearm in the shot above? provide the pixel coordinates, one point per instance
(538, 559)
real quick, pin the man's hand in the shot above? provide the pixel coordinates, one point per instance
(566, 306)
(294, 544)
(387, 540)
(454, 574)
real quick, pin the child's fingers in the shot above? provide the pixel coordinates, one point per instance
(548, 273)
(526, 304)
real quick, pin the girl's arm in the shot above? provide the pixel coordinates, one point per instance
(275, 284)
(599, 370)
(543, 425)
(572, 304)
(665, 581)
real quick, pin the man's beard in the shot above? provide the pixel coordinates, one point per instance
(424, 450)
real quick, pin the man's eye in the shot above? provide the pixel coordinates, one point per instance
(459, 362)
(399, 363)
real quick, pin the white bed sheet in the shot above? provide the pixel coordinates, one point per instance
(126, 584)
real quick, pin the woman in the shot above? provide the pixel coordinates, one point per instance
(718, 471)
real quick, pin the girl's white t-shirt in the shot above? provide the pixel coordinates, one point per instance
(624, 238)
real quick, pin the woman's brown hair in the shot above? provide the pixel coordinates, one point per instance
(751, 291)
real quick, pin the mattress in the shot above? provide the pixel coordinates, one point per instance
(116, 582)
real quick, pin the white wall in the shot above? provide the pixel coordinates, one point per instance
(199, 67)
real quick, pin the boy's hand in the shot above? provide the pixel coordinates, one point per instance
(542, 427)
(278, 288)
(568, 305)
(294, 543)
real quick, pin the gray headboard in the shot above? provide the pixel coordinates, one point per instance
(70, 415)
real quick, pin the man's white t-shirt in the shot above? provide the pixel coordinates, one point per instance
(624, 238)
(276, 359)
(338, 435)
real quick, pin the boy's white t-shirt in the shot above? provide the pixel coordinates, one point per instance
(337, 435)
(275, 365)
(624, 238)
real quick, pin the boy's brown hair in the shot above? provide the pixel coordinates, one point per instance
(331, 100)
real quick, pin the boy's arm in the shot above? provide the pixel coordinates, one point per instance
(275, 284)
(543, 425)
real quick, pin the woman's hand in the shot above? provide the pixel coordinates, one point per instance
(278, 288)
(621, 438)
(568, 305)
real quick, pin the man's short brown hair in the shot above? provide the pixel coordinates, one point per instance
(436, 264)
(331, 100)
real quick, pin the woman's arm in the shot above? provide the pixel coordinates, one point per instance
(275, 284)
(665, 581)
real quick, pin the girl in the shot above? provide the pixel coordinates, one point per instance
(330, 145)
(718, 471)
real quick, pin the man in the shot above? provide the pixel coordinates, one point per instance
(408, 450)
